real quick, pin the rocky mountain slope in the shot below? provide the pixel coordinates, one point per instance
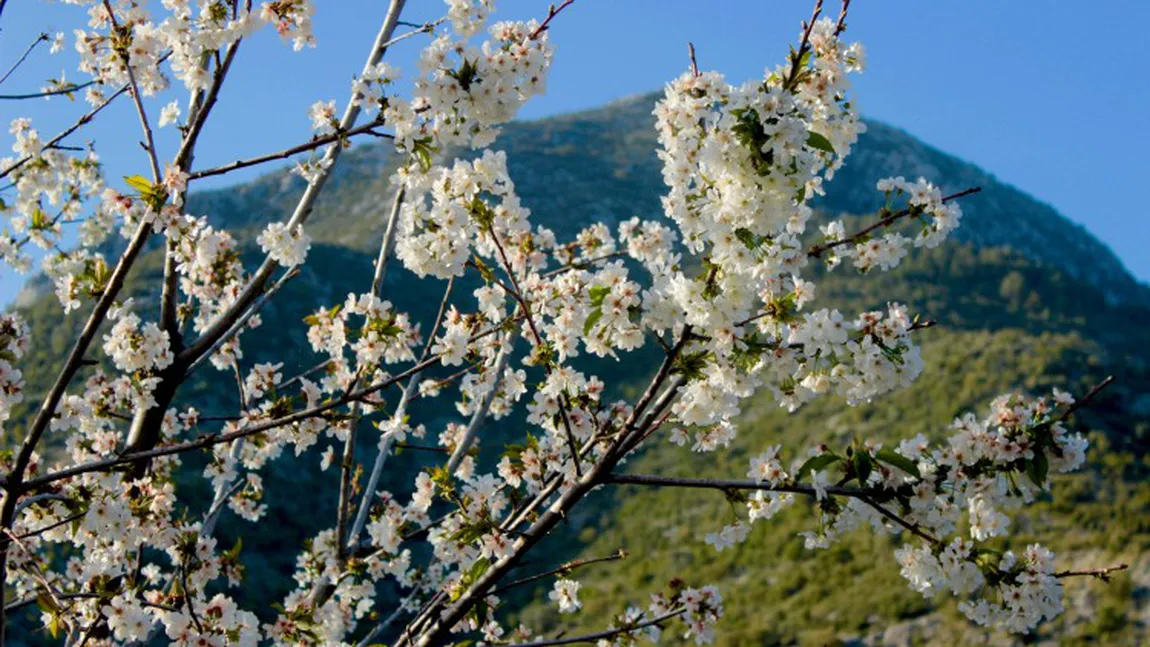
(601, 164)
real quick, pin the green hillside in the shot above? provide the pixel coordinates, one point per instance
(1024, 300)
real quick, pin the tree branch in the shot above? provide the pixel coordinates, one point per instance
(41, 38)
(303, 207)
(818, 250)
(595, 637)
(563, 569)
(316, 142)
(70, 89)
(1100, 573)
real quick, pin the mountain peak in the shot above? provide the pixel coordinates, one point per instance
(600, 164)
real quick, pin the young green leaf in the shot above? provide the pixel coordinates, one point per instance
(139, 183)
(815, 140)
(891, 457)
(816, 463)
(592, 319)
(1037, 468)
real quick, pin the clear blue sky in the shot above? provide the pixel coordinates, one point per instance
(1050, 96)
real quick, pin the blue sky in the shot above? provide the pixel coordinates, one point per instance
(1051, 97)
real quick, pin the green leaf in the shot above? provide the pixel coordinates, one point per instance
(598, 294)
(747, 238)
(1037, 468)
(815, 140)
(513, 451)
(691, 365)
(139, 183)
(816, 463)
(46, 603)
(484, 269)
(592, 319)
(235, 550)
(477, 570)
(863, 466)
(891, 457)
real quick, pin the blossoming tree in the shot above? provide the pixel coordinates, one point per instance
(98, 544)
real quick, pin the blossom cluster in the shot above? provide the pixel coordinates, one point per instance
(717, 283)
(963, 487)
(936, 219)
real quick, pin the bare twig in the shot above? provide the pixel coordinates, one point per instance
(841, 23)
(314, 143)
(563, 569)
(41, 38)
(1100, 573)
(54, 142)
(69, 89)
(291, 273)
(157, 174)
(595, 637)
(727, 485)
(552, 11)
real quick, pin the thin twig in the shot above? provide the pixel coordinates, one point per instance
(525, 306)
(70, 89)
(563, 569)
(303, 207)
(552, 11)
(818, 250)
(691, 55)
(209, 440)
(804, 45)
(150, 146)
(595, 637)
(41, 38)
(841, 23)
(316, 142)
(1100, 573)
(53, 143)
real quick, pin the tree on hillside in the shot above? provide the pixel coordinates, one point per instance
(101, 543)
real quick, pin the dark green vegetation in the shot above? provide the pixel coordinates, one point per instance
(1025, 300)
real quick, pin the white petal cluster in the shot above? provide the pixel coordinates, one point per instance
(135, 346)
(446, 215)
(13, 344)
(565, 593)
(462, 92)
(285, 245)
(954, 494)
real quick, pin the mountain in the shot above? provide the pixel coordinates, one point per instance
(1024, 298)
(601, 164)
